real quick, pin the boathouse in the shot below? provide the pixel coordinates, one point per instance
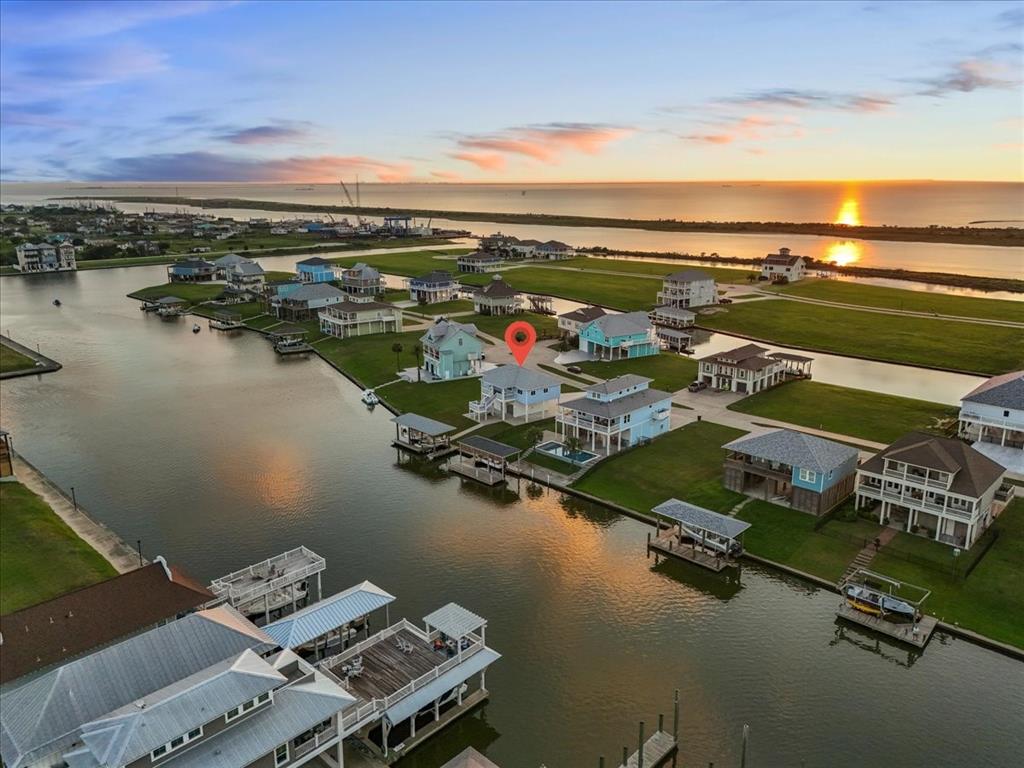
(422, 435)
(698, 535)
(488, 459)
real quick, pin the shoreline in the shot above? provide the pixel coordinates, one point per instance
(43, 364)
(994, 236)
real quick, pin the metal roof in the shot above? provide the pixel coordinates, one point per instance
(330, 613)
(423, 424)
(44, 714)
(704, 519)
(296, 709)
(443, 683)
(486, 445)
(454, 620)
(796, 449)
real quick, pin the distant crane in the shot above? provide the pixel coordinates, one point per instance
(348, 196)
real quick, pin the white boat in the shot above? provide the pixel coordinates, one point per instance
(196, 328)
(370, 398)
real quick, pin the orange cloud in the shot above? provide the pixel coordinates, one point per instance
(751, 128)
(487, 161)
(545, 143)
(446, 175)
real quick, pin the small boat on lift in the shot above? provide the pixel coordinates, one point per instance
(875, 603)
(56, 302)
(370, 398)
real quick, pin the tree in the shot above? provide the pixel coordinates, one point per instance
(572, 445)
(534, 436)
(418, 351)
(397, 349)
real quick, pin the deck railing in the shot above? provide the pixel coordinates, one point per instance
(225, 587)
(320, 737)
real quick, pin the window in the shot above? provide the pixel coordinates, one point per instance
(247, 706)
(175, 743)
(808, 476)
(281, 755)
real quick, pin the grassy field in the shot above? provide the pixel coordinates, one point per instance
(670, 372)
(615, 291)
(12, 360)
(653, 268)
(191, 292)
(788, 537)
(685, 463)
(990, 600)
(246, 311)
(854, 412)
(444, 308)
(369, 358)
(914, 340)
(912, 301)
(395, 296)
(495, 325)
(446, 401)
(409, 264)
(40, 556)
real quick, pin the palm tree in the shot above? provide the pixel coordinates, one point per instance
(397, 349)
(418, 351)
(572, 445)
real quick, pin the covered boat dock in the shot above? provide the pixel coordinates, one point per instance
(700, 536)
(916, 631)
(422, 435)
(289, 339)
(488, 459)
(277, 584)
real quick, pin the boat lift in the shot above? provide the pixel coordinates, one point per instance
(699, 535)
(916, 632)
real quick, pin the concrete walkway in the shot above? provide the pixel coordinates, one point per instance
(95, 534)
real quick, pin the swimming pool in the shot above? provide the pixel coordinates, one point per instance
(557, 450)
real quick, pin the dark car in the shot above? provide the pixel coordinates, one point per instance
(573, 369)
(697, 386)
(724, 300)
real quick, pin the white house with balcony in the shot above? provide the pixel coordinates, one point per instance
(515, 394)
(360, 316)
(44, 257)
(783, 267)
(688, 288)
(933, 486)
(616, 414)
(992, 418)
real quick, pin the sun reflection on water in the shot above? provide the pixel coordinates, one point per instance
(849, 213)
(843, 253)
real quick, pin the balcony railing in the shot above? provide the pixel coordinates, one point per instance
(318, 738)
(989, 421)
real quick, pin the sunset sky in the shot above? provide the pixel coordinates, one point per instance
(265, 91)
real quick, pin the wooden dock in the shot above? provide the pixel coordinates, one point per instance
(904, 632)
(427, 452)
(657, 750)
(480, 474)
(665, 543)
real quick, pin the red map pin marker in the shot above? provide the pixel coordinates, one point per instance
(520, 337)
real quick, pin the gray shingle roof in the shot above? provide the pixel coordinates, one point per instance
(975, 473)
(497, 289)
(44, 714)
(796, 449)
(229, 259)
(625, 324)
(619, 407)
(618, 384)
(437, 277)
(444, 329)
(516, 376)
(698, 517)
(585, 314)
(313, 291)
(315, 261)
(1005, 391)
(247, 268)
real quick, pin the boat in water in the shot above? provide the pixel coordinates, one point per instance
(56, 302)
(370, 398)
(196, 328)
(876, 603)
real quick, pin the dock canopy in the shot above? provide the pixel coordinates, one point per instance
(702, 519)
(439, 686)
(422, 424)
(329, 614)
(478, 445)
(454, 620)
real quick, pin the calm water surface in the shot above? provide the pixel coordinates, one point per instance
(217, 453)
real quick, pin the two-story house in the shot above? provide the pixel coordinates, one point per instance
(746, 370)
(434, 287)
(245, 278)
(226, 262)
(451, 350)
(783, 267)
(44, 257)
(616, 414)
(571, 322)
(314, 270)
(992, 417)
(933, 486)
(306, 301)
(515, 394)
(360, 316)
(191, 271)
(553, 250)
(497, 298)
(618, 337)
(808, 473)
(480, 261)
(688, 288)
(362, 280)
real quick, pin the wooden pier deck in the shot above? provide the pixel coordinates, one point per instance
(666, 543)
(657, 750)
(480, 474)
(904, 632)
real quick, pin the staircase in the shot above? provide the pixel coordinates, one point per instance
(867, 554)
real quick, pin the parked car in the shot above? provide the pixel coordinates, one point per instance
(724, 300)
(573, 369)
(697, 386)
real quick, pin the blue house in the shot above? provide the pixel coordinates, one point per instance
(315, 270)
(516, 395)
(191, 271)
(805, 472)
(618, 337)
(451, 350)
(616, 414)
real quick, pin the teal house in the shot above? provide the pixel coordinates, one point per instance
(451, 350)
(619, 337)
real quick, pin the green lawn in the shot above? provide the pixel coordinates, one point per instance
(990, 600)
(686, 464)
(560, 371)
(191, 292)
(654, 268)
(913, 340)
(854, 412)
(12, 360)
(275, 275)
(495, 325)
(912, 301)
(788, 537)
(40, 556)
(443, 308)
(393, 296)
(262, 322)
(246, 311)
(369, 359)
(409, 263)
(445, 401)
(615, 291)
(670, 372)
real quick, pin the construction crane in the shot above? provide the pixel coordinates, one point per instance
(351, 203)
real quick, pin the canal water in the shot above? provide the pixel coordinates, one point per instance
(216, 453)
